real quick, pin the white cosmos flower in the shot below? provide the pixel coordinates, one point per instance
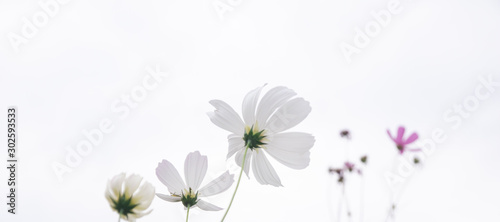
(262, 131)
(195, 168)
(128, 198)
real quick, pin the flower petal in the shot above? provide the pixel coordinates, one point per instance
(289, 115)
(132, 182)
(297, 161)
(263, 170)
(117, 184)
(411, 139)
(168, 198)
(110, 195)
(273, 99)
(144, 197)
(170, 177)
(415, 150)
(207, 206)
(218, 185)
(226, 118)
(291, 149)
(195, 168)
(401, 133)
(239, 159)
(297, 142)
(249, 105)
(135, 215)
(236, 143)
(390, 135)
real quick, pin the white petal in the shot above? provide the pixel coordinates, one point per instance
(291, 149)
(293, 160)
(239, 158)
(129, 218)
(109, 194)
(207, 206)
(236, 143)
(168, 198)
(144, 196)
(226, 118)
(273, 99)
(292, 141)
(218, 185)
(136, 215)
(195, 168)
(263, 170)
(249, 105)
(289, 115)
(170, 177)
(131, 184)
(116, 184)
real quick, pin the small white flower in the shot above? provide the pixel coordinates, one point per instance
(262, 130)
(128, 198)
(195, 168)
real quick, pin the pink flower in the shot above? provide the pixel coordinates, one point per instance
(349, 166)
(401, 142)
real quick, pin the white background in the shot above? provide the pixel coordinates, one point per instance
(428, 59)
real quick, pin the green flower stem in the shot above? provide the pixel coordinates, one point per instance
(238, 184)
(120, 215)
(187, 215)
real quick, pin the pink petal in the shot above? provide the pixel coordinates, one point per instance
(401, 133)
(411, 139)
(390, 135)
(415, 150)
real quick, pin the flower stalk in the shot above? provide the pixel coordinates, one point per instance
(187, 214)
(238, 183)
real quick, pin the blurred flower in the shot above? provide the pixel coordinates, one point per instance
(345, 134)
(349, 166)
(128, 198)
(401, 142)
(339, 172)
(416, 160)
(332, 170)
(262, 130)
(195, 168)
(364, 159)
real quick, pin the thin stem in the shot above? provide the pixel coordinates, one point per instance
(237, 184)
(397, 197)
(339, 211)
(390, 212)
(362, 199)
(120, 215)
(187, 214)
(346, 203)
(347, 150)
(329, 200)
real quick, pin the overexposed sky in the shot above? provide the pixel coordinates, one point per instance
(413, 68)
